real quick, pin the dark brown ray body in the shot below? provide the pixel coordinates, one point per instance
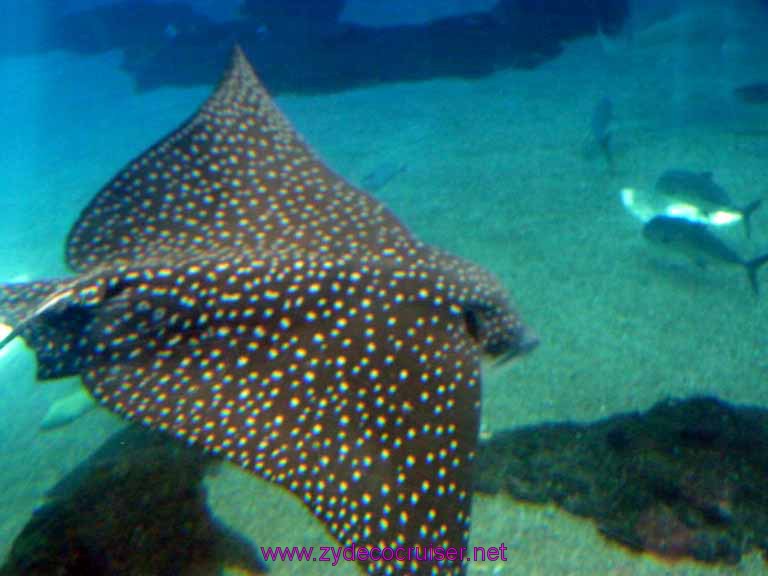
(235, 175)
(237, 293)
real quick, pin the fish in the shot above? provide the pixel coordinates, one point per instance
(66, 410)
(698, 243)
(602, 118)
(233, 291)
(699, 191)
(755, 93)
(646, 204)
(382, 175)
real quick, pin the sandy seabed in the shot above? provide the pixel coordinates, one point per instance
(497, 171)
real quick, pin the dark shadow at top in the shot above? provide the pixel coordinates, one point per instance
(303, 50)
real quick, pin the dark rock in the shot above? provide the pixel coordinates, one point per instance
(300, 45)
(565, 19)
(350, 56)
(136, 507)
(684, 480)
(120, 25)
(124, 24)
(294, 18)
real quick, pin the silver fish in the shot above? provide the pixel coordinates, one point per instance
(700, 190)
(699, 244)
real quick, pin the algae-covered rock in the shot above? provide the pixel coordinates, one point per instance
(687, 479)
(134, 508)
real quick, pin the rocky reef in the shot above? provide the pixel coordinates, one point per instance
(294, 18)
(136, 507)
(684, 480)
(301, 46)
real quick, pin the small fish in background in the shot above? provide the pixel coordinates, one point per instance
(755, 93)
(699, 191)
(646, 204)
(697, 242)
(382, 175)
(171, 32)
(600, 130)
(67, 409)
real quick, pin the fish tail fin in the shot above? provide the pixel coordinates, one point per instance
(37, 312)
(18, 302)
(752, 267)
(746, 214)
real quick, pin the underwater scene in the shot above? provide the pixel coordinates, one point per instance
(448, 287)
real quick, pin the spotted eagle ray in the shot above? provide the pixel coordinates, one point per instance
(233, 291)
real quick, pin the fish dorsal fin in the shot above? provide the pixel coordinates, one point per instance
(236, 174)
(48, 314)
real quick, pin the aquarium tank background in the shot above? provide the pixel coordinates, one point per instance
(438, 287)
